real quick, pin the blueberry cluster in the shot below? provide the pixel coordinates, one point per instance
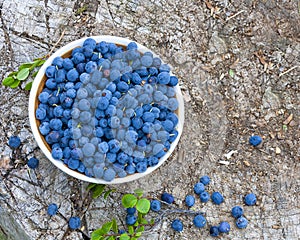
(108, 111)
(199, 220)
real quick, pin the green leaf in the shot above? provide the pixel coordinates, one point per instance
(152, 221)
(12, 74)
(129, 200)
(140, 229)
(41, 62)
(138, 234)
(15, 84)
(106, 227)
(23, 74)
(28, 86)
(111, 238)
(25, 65)
(124, 236)
(8, 81)
(90, 186)
(143, 221)
(130, 230)
(143, 205)
(231, 73)
(108, 192)
(133, 238)
(35, 73)
(98, 191)
(96, 235)
(139, 192)
(114, 225)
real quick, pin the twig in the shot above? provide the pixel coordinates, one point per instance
(287, 71)
(234, 15)
(55, 45)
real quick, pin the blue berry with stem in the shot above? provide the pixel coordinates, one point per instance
(131, 219)
(241, 222)
(33, 163)
(155, 205)
(52, 209)
(199, 221)
(14, 142)
(189, 200)
(205, 180)
(224, 227)
(217, 198)
(237, 211)
(199, 188)
(204, 197)
(214, 231)
(177, 225)
(167, 197)
(74, 223)
(250, 199)
(255, 140)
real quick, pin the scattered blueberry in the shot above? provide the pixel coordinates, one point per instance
(204, 197)
(33, 163)
(131, 219)
(14, 142)
(177, 225)
(189, 200)
(217, 198)
(74, 223)
(241, 222)
(250, 199)
(131, 211)
(214, 231)
(155, 205)
(255, 140)
(237, 211)
(52, 209)
(168, 198)
(224, 227)
(199, 221)
(199, 188)
(205, 180)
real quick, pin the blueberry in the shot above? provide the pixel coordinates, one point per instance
(90, 67)
(255, 140)
(74, 223)
(44, 128)
(205, 180)
(90, 42)
(241, 222)
(57, 153)
(72, 75)
(58, 62)
(177, 225)
(109, 174)
(146, 60)
(168, 198)
(43, 97)
(130, 219)
(190, 200)
(14, 142)
(199, 221)
(224, 227)
(204, 197)
(237, 211)
(250, 199)
(155, 205)
(173, 81)
(131, 211)
(141, 167)
(199, 188)
(40, 113)
(131, 45)
(50, 71)
(214, 231)
(217, 198)
(33, 163)
(73, 163)
(68, 64)
(52, 209)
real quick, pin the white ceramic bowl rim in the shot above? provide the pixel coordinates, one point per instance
(38, 137)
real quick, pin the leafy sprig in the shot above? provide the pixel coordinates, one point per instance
(25, 70)
(98, 190)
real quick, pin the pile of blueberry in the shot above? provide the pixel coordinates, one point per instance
(199, 220)
(108, 111)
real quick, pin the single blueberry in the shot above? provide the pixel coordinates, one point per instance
(74, 223)
(255, 140)
(155, 205)
(33, 163)
(204, 197)
(217, 198)
(190, 200)
(241, 222)
(199, 221)
(177, 225)
(130, 219)
(237, 211)
(199, 188)
(224, 227)
(14, 142)
(214, 231)
(250, 199)
(52, 209)
(168, 198)
(205, 180)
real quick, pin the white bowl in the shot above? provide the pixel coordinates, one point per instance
(38, 85)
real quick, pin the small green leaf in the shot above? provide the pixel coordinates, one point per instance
(35, 73)
(114, 225)
(108, 192)
(143, 205)
(41, 62)
(23, 74)
(90, 186)
(28, 86)
(12, 74)
(98, 191)
(111, 238)
(130, 230)
(140, 229)
(129, 200)
(25, 65)
(144, 221)
(152, 221)
(133, 238)
(139, 192)
(96, 235)
(15, 84)
(124, 236)
(8, 81)
(106, 227)
(231, 73)
(138, 234)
